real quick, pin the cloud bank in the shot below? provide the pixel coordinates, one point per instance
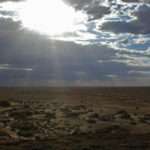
(113, 49)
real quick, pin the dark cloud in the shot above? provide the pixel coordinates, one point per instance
(121, 27)
(48, 59)
(139, 26)
(136, 1)
(93, 8)
(8, 25)
(131, 1)
(6, 13)
(78, 4)
(97, 12)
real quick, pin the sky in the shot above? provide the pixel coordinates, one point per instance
(74, 43)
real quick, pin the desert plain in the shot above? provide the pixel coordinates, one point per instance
(75, 118)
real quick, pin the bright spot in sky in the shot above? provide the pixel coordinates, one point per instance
(52, 17)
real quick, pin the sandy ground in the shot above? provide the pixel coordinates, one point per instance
(74, 118)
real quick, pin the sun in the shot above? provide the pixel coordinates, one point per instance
(52, 17)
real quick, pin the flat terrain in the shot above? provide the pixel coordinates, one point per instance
(75, 118)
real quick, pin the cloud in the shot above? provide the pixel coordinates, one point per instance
(140, 72)
(11, 0)
(4, 67)
(86, 57)
(133, 60)
(6, 13)
(48, 59)
(140, 25)
(94, 8)
(136, 1)
(31, 58)
(131, 1)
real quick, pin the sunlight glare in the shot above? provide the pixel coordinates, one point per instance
(52, 17)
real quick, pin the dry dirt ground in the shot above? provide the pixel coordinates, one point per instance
(75, 118)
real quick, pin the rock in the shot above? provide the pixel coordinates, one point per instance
(74, 111)
(7, 134)
(122, 114)
(25, 128)
(74, 131)
(21, 114)
(91, 120)
(145, 119)
(78, 107)
(40, 137)
(84, 129)
(39, 146)
(50, 115)
(4, 119)
(106, 118)
(94, 116)
(5, 104)
(116, 130)
(69, 112)
(40, 117)
(133, 122)
(2, 124)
